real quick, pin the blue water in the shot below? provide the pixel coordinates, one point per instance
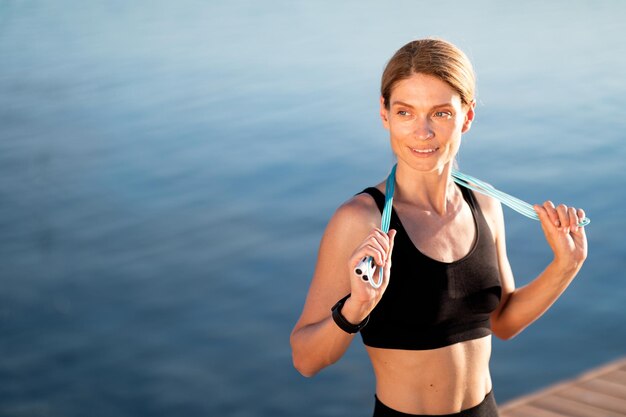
(167, 170)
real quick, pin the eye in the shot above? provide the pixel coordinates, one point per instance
(443, 114)
(403, 113)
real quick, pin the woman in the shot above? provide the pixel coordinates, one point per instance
(427, 328)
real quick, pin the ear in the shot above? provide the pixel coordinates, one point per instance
(469, 117)
(384, 113)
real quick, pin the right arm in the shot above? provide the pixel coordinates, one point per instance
(352, 233)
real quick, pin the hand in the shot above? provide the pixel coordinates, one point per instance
(566, 239)
(378, 245)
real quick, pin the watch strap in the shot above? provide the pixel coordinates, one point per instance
(341, 321)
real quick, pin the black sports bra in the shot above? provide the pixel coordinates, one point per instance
(430, 304)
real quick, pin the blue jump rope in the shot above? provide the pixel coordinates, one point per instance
(365, 268)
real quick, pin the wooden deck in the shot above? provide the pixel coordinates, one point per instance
(598, 393)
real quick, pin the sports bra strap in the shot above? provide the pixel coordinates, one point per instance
(377, 195)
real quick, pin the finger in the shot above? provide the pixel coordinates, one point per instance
(392, 239)
(380, 231)
(382, 243)
(552, 214)
(581, 230)
(366, 250)
(546, 223)
(392, 236)
(573, 219)
(387, 268)
(541, 212)
(375, 251)
(563, 216)
(580, 213)
(382, 238)
(378, 246)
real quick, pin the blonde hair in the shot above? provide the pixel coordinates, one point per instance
(434, 57)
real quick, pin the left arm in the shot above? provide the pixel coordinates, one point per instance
(522, 306)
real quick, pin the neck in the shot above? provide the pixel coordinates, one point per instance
(429, 191)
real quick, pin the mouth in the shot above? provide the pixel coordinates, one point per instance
(424, 152)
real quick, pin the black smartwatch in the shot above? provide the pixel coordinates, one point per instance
(341, 321)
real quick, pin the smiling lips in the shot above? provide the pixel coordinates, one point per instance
(424, 152)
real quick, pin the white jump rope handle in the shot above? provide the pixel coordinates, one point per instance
(365, 269)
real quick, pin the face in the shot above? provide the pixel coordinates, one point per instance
(425, 120)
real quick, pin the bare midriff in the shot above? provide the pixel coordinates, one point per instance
(438, 381)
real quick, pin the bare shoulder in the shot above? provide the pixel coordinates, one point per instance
(359, 212)
(348, 226)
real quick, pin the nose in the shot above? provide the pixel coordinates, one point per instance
(422, 130)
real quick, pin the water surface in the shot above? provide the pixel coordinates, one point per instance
(167, 170)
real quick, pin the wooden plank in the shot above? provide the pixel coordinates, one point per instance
(596, 399)
(572, 408)
(531, 411)
(619, 377)
(606, 387)
(587, 395)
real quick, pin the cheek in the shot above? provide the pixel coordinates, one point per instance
(399, 129)
(453, 128)
(459, 122)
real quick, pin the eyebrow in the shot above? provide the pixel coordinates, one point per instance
(402, 103)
